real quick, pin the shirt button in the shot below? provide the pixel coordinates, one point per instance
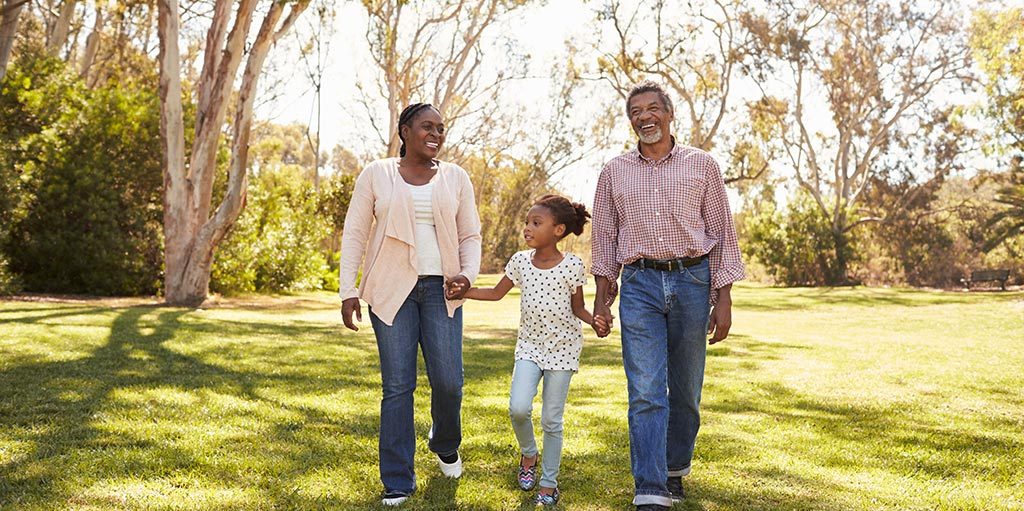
(657, 213)
(659, 239)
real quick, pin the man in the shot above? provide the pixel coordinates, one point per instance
(661, 217)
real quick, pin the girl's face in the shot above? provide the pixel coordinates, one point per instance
(540, 229)
(424, 136)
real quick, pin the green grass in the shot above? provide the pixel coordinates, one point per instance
(835, 399)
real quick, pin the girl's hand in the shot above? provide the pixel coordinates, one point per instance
(455, 289)
(601, 326)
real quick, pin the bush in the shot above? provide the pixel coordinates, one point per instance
(9, 283)
(795, 246)
(275, 244)
(90, 210)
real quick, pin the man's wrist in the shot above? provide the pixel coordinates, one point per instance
(724, 294)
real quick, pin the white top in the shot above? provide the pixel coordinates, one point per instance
(550, 335)
(428, 253)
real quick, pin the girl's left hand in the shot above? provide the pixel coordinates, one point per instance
(455, 289)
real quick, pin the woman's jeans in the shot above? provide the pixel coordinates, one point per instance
(422, 321)
(525, 378)
(664, 317)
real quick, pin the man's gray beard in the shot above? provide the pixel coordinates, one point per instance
(652, 139)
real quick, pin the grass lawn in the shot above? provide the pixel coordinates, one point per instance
(838, 399)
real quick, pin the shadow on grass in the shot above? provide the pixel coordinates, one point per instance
(55, 410)
(790, 299)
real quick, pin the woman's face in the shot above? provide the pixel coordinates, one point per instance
(424, 136)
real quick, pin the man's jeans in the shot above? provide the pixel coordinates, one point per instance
(525, 378)
(421, 321)
(664, 317)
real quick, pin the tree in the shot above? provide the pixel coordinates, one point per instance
(314, 59)
(996, 40)
(875, 67)
(1008, 222)
(695, 53)
(433, 51)
(10, 10)
(191, 232)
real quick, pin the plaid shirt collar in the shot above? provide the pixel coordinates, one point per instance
(676, 148)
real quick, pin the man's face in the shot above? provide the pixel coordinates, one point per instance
(649, 117)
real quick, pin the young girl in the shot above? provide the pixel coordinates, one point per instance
(550, 337)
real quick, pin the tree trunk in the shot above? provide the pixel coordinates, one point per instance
(190, 234)
(176, 187)
(9, 12)
(838, 276)
(92, 46)
(58, 35)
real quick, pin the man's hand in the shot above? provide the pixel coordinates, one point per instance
(611, 292)
(603, 300)
(721, 318)
(456, 287)
(349, 307)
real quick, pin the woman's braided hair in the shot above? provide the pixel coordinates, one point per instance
(405, 119)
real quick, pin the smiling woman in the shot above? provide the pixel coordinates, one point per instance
(415, 219)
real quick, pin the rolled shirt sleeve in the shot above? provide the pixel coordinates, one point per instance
(605, 230)
(724, 258)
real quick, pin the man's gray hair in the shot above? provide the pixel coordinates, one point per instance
(650, 86)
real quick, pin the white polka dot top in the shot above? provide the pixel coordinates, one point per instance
(550, 335)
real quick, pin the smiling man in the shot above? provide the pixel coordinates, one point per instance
(661, 219)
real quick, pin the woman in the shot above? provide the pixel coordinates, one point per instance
(416, 221)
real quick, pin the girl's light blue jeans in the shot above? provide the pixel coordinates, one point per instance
(525, 378)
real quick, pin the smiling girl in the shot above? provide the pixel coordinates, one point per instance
(550, 336)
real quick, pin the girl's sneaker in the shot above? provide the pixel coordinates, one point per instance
(548, 500)
(527, 476)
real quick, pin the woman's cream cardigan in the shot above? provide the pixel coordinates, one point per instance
(380, 226)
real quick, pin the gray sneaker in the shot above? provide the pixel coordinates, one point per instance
(675, 487)
(393, 498)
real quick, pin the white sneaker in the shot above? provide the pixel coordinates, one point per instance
(393, 498)
(452, 470)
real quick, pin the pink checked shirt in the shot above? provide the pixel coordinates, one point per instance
(666, 209)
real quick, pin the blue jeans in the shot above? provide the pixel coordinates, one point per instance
(423, 322)
(664, 317)
(525, 378)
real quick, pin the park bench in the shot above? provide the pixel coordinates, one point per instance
(988, 276)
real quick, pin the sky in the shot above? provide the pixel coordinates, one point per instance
(540, 29)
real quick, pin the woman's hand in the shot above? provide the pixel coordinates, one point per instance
(349, 307)
(456, 288)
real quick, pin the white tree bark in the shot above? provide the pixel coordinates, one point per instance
(9, 12)
(191, 235)
(92, 45)
(58, 35)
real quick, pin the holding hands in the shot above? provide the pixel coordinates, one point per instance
(456, 288)
(602, 325)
